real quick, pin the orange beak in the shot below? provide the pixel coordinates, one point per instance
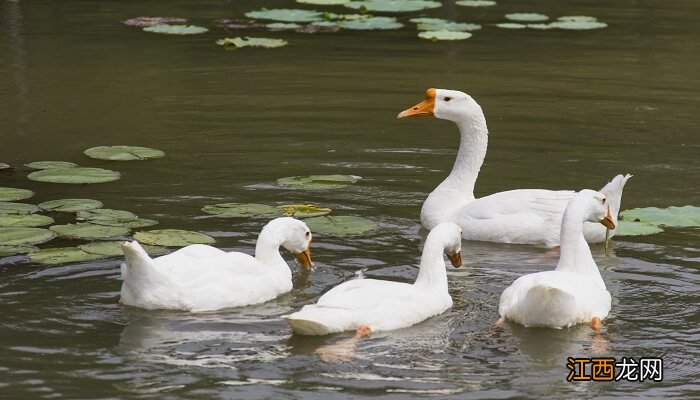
(455, 259)
(425, 108)
(304, 258)
(608, 221)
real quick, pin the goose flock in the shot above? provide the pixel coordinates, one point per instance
(203, 278)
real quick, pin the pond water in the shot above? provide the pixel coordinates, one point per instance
(565, 109)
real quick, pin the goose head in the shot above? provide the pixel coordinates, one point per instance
(451, 105)
(595, 206)
(294, 236)
(451, 236)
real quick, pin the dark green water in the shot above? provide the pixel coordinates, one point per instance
(565, 110)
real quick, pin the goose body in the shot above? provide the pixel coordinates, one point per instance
(525, 216)
(574, 292)
(385, 305)
(204, 278)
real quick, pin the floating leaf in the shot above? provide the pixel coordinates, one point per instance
(62, 255)
(685, 216)
(634, 228)
(393, 5)
(303, 210)
(323, 2)
(319, 181)
(448, 26)
(173, 238)
(114, 249)
(12, 194)
(341, 226)
(372, 23)
(76, 175)
(27, 220)
(123, 153)
(475, 3)
(12, 250)
(70, 205)
(319, 26)
(577, 18)
(579, 25)
(238, 24)
(527, 17)
(281, 26)
(176, 29)
(4, 166)
(106, 214)
(239, 210)
(511, 25)
(17, 208)
(151, 21)
(19, 236)
(89, 231)
(252, 42)
(50, 164)
(286, 15)
(444, 35)
(541, 26)
(137, 223)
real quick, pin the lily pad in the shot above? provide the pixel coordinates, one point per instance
(252, 42)
(303, 210)
(20, 236)
(176, 29)
(106, 214)
(50, 164)
(369, 24)
(173, 238)
(241, 210)
(12, 250)
(686, 216)
(448, 26)
(114, 249)
(341, 226)
(475, 3)
(393, 5)
(123, 153)
(238, 24)
(444, 35)
(511, 25)
(4, 166)
(634, 228)
(541, 26)
(70, 205)
(78, 175)
(89, 231)
(579, 25)
(26, 220)
(286, 15)
(151, 21)
(577, 18)
(17, 208)
(62, 255)
(527, 17)
(133, 224)
(281, 26)
(12, 194)
(319, 181)
(324, 2)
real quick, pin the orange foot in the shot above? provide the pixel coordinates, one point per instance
(362, 331)
(595, 324)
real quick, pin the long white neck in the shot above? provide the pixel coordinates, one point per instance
(267, 248)
(575, 254)
(458, 188)
(433, 273)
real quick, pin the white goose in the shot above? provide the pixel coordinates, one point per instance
(204, 278)
(515, 216)
(370, 305)
(574, 292)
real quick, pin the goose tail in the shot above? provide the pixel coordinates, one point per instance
(546, 306)
(137, 260)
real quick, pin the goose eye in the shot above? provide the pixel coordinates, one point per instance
(447, 98)
(603, 200)
(308, 234)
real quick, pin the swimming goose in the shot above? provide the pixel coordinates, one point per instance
(516, 216)
(574, 292)
(371, 305)
(204, 278)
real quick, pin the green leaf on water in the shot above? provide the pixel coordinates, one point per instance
(106, 214)
(50, 164)
(123, 153)
(176, 29)
(372, 23)
(475, 3)
(17, 208)
(251, 42)
(393, 5)
(114, 249)
(444, 35)
(579, 25)
(323, 2)
(78, 175)
(511, 25)
(278, 26)
(62, 255)
(242, 210)
(303, 210)
(577, 18)
(137, 223)
(542, 26)
(448, 26)
(341, 226)
(13, 194)
(70, 205)
(12, 250)
(4, 166)
(286, 15)
(89, 231)
(634, 228)
(319, 181)
(173, 238)
(20, 236)
(686, 216)
(26, 220)
(527, 17)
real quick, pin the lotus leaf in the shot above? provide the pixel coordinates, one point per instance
(280, 26)
(369, 24)
(579, 25)
(12, 250)
(393, 5)
(527, 17)
(686, 216)
(62, 255)
(240, 210)
(428, 20)
(286, 15)
(252, 42)
(12, 194)
(448, 26)
(323, 2)
(303, 210)
(19, 236)
(634, 228)
(176, 29)
(106, 214)
(340, 226)
(50, 164)
(577, 18)
(70, 205)
(511, 25)
(17, 208)
(4, 166)
(444, 35)
(151, 21)
(89, 231)
(114, 249)
(319, 181)
(541, 26)
(123, 153)
(238, 24)
(28, 220)
(133, 224)
(76, 175)
(475, 3)
(173, 238)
